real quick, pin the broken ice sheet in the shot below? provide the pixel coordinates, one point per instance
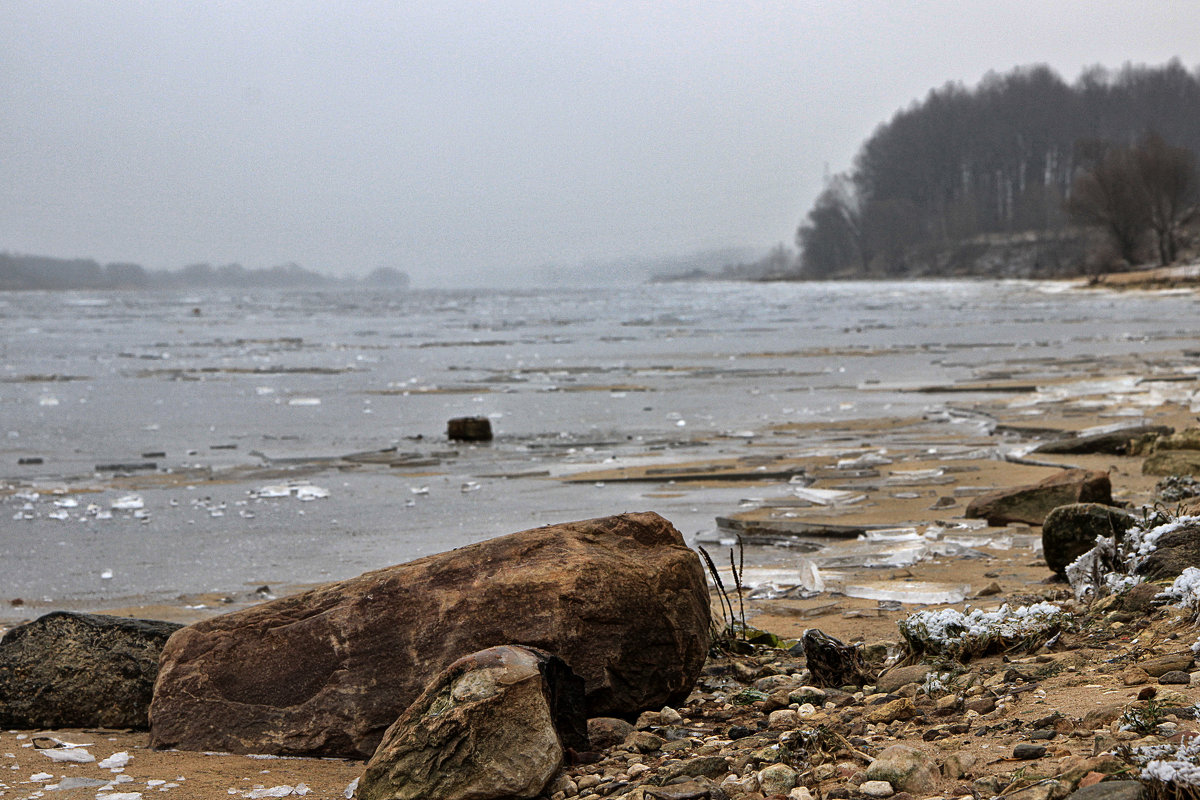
(302, 491)
(76, 755)
(911, 592)
(764, 583)
(828, 497)
(130, 502)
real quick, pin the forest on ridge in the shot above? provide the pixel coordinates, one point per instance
(966, 173)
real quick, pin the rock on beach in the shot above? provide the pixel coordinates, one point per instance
(80, 670)
(622, 600)
(1030, 504)
(491, 725)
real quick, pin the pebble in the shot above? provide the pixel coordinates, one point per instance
(876, 789)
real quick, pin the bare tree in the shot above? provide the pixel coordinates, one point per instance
(1111, 196)
(1169, 179)
(1131, 191)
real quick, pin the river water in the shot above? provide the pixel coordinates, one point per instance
(244, 403)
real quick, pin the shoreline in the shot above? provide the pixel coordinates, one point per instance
(914, 475)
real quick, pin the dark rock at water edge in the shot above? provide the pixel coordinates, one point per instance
(68, 670)
(622, 600)
(1111, 443)
(491, 725)
(1174, 551)
(1070, 531)
(1031, 503)
(469, 429)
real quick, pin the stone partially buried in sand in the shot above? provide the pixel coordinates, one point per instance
(68, 670)
(1031, 503)
(489, 726)
(621, 599)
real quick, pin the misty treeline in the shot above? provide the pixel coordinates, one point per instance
(29, 272)
(1023, 157)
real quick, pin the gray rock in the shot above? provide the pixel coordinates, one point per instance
(1161, 665)
(606, 732)
(1026, 751)
(67, 670)
(1070, 531)
(484, 728)
(623, 600)
(1109, 790)
(777, 779)
(1175, 676)
(905, 768)
(876, 789)
(893, 679)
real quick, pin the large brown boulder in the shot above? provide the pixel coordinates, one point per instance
(621, 599)
(68, 670)
(1030, 504)
(484, 729)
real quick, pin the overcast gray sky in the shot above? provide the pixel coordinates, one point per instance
(466, 142)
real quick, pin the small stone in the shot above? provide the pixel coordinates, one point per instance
(990, 590)
(1026, 751)
(876, 789)
(1175, 676)
(644, 742)
(982, 704)
(1110, 790)
(606, 732)
(800, 793)
(890, 712)
(893, 679)
(1134, 676)
(1156, 667)
(777, 779)
(669, 716)
(783, 720)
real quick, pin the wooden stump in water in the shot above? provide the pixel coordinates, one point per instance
(469, 429)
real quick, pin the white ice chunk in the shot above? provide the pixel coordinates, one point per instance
(130, 502)
(115, 760)
(351, 789)
(307, 493)
(274, 791)
(828, 497)
(914, 592)
(304, 401)
(75, 755)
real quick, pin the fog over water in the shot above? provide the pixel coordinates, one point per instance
(476, 143)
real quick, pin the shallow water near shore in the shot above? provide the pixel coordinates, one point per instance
(154, 445)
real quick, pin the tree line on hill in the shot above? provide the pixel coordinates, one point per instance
(30, 272)
(1022, 158)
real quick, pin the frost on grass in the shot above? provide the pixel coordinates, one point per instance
(1109, 567)
(1185, 592)
(959, 635)
(1170, 771)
